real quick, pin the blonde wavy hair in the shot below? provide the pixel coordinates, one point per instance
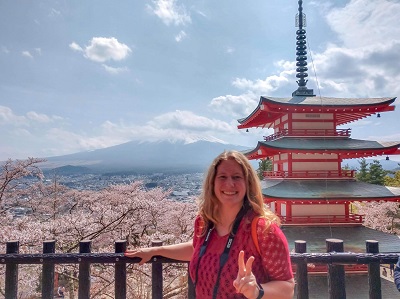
(208, 202)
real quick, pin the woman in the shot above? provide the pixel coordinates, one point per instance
(224, 261)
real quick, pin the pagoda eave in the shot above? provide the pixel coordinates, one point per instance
(259, 118)
(345, 148)
(269, 110)
(323, 191)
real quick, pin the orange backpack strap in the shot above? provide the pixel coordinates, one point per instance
(254, 233)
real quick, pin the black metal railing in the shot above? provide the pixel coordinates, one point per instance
(335, 259)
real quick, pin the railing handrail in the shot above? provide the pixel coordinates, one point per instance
(309, 133)
(313, 219)
(335, 258)
(326, 174)
(112, 258)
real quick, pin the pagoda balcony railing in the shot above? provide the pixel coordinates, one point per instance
(319, 219)
(311, 174)
(309, 133)
(335, 261)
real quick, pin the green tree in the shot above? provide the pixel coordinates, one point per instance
(362, 172)
(263, 165)
(393, 181)
(376, 173)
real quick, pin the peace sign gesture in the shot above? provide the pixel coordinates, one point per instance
(245, 281)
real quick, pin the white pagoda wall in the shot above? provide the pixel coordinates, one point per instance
(283, 210)
(320, 209)
(311, 162)
(319, 162)
(316, 121)
(272, 207)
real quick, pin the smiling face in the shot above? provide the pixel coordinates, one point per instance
(230, 184)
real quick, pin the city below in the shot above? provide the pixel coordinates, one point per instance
(183, 187)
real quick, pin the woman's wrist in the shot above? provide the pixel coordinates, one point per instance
(260, 291)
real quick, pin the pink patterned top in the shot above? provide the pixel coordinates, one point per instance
(273, 264)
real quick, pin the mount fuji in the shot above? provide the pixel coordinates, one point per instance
(143, 157)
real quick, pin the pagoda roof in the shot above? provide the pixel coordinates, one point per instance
(353, 237)
(346, 109)
(323, 190)
(348, 147)
(317, 101)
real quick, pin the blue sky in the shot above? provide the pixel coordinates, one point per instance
(82, 75)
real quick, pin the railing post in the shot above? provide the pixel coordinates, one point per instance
(301, 271)
(374, 276)
(336, 274)
(48, 271)
(11, 283)
(120, 271)
(156, 275)
(84, 271)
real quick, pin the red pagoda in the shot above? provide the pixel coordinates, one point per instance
(307, 186)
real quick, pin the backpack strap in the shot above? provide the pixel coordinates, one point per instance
(254, 233)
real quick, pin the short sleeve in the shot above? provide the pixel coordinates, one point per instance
(274, 251)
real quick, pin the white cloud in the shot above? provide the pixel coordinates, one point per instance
(267, 86)
(115, 70)
(180, 36)
(7, 117)
(42, 118)
(235, 106)
(75, 47)
(187, 120)
(26, 54)
(60, 139)
(169, 12)
(102, 49)
(286, 71)
(178, 125)
(365, 23)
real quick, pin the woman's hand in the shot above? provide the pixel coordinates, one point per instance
(245, 281)
(144, 253)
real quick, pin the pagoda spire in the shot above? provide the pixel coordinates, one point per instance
(301, 55)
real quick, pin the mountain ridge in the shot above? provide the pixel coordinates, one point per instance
(145, 157)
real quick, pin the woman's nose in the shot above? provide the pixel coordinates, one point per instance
(230, 181)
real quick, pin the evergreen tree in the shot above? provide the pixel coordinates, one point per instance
(376, 173)
(263, 165)
(393, 181)
(362, 172)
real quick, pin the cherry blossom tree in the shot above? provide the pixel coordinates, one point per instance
(119, 212)
(383, 216)
(12, 185)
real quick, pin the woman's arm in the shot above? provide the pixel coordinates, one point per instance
(278, 289)
(181, 251)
